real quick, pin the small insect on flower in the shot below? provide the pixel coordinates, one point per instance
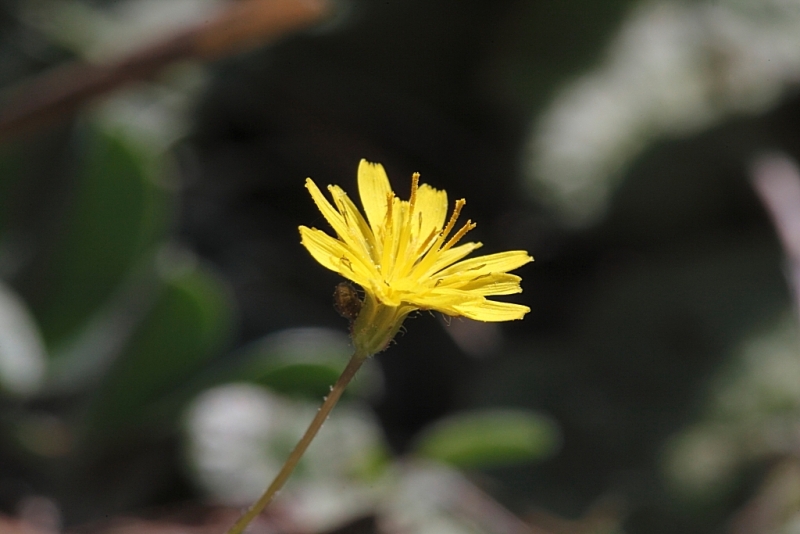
(346, 300)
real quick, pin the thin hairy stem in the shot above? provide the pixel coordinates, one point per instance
(330, 401)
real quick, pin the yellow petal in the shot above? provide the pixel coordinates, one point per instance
(487, 284)
(357, 227)
(373, 186)
(333, 217)
(334, 255)
(444, 300)
(404, 255)
(432, 205)
(391, 230)
(492, 263)
(449, 257)
(492, 311)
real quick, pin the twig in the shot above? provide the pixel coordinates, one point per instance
(243, 25)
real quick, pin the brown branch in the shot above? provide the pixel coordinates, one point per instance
(243, 25)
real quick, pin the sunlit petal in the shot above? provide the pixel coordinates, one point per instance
(432, 206)
(333, 217)
(373, 186)
(486, 284)
(449, 257)
(492, 311)
(334, 255)
(357, 227)
(444, 300)
(491, 263)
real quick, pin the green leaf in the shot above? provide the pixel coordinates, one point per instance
(117, 211)
(189, 323)
(11, 171)
(301, 362)
(489, 438)
(304, 379)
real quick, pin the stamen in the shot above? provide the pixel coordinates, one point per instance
(461, 233)
(404, 241)
(414, 185)
(453, 218)
(425, 244)
(387, 226)
(387, 259)
(434, 250)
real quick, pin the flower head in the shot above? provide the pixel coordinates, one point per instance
(405, 255)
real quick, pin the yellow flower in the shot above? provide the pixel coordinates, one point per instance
(406, 258)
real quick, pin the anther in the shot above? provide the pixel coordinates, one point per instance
(414, 185)
(453, 217)
(461, 233)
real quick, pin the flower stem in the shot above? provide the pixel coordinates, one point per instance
(330, 401)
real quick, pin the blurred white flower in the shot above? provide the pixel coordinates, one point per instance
(672, 69)
(751, 414)
(229, 429)
(240, 434)
(23, 359)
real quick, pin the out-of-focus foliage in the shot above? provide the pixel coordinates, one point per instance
(673, 69)
(88, 261)
(187, 324)
(750, 415)
(106, 317)
(239, 434)
(303, 362)
(489, 438)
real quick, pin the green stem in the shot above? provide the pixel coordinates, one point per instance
(330, 401)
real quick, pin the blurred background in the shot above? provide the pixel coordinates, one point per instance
(165, 339)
